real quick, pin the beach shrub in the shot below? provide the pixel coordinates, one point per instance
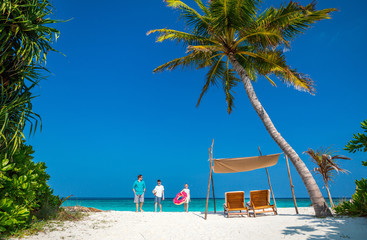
(359, 142)
(25, 194)
(357, 206)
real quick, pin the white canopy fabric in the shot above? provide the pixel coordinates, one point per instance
(233, 165)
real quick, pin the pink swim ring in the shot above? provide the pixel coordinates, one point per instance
(180, 198)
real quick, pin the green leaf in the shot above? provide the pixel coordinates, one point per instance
(5, 162)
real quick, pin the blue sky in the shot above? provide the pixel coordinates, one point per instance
(107, 118)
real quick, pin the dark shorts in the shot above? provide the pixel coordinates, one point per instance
(139, 198)
(158, 200)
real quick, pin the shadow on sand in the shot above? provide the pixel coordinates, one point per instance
(326, 228)
(314, 228)
(202, 214)
(221, 213)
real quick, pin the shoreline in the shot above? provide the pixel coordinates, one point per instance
(200, 198)
(196, 204)
(179, 225)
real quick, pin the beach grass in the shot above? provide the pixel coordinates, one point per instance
(52, 224)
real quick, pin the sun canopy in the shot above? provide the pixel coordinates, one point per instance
(233, 165)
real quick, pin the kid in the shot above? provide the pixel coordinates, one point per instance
(159, 195)
(187, 191)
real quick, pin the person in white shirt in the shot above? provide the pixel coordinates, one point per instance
(187, 191)
(159, 195)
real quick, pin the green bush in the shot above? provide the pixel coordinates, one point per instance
(358, 205)
(359, 141)
(25, 194)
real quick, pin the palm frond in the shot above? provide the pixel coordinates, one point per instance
(271, 81)
(212, 49)
(247, 62)
(273, 62)
(246, 11)
(213, 76)
(178, 36)
(293, 19)
(229, 82)
(232, 15)
(192, 60)
(202, 6)
(220, 71)
(261, 38)
(191, 16)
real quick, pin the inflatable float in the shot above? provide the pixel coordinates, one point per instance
(180, 198)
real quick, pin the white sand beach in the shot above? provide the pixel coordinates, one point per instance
(175, 226)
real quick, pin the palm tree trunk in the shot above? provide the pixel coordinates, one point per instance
(318, 201)
(328, 193)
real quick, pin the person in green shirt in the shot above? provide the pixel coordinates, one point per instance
(139, 190)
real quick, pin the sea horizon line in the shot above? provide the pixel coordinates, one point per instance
(117, 198)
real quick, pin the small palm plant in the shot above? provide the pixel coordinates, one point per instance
(327, 165)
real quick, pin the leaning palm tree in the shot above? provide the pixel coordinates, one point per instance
(238, 44)
(327, 165)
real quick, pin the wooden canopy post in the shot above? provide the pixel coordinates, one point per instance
(271, 189)
(215, 209)
(290, 181)
(210, 180)
(211, 166)
(207, 195)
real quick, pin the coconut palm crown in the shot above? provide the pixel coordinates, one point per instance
(235, 42)
(224, 28)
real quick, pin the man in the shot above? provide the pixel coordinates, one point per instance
(139, 190)
(159, 195)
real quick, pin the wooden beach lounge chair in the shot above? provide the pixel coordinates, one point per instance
(235, 204)
(260, 202)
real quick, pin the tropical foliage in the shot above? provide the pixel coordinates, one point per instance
(25, 40)
(15, 112)
(24, 190)
(357, 206)
(236, 42)
(359, 142)
(327, 165)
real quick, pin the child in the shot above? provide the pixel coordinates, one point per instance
(187, 191)
(159, 195)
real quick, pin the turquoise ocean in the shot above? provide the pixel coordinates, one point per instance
(196, 204)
